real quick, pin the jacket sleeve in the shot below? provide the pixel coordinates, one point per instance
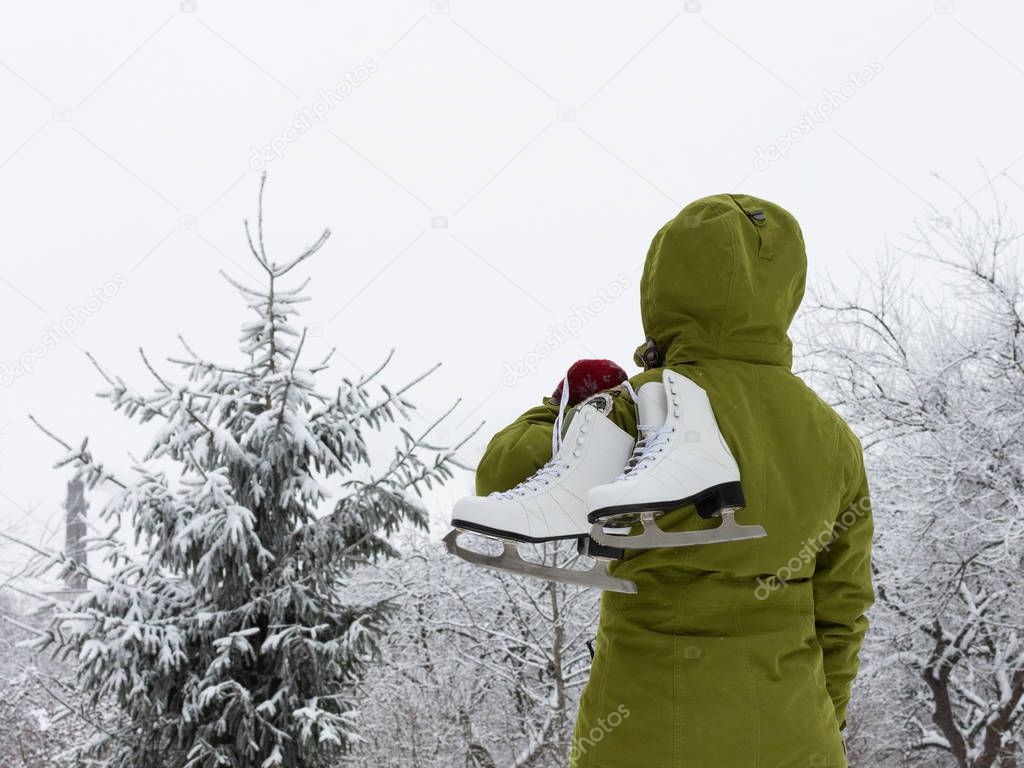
(517, 451)
(842, 579)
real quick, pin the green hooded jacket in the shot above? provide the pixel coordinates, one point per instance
(736, 655)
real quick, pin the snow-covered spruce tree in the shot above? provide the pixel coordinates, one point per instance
(225, 631)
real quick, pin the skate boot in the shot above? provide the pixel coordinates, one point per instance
(680, 459)
(550, 505)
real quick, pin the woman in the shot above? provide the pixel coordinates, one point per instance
(740, 654)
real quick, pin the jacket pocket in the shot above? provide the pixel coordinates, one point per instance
(716, 718)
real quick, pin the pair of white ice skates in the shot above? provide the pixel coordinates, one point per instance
(599, 482)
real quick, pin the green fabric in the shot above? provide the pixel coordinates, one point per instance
(742, 654)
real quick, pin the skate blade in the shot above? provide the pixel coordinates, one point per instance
(653, 537)
(510, 561)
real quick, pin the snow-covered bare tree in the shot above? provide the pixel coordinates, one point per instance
(483, 669)
(227, 629)
(42, 718)
(933, 379)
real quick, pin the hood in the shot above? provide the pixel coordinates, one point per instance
(723, 279)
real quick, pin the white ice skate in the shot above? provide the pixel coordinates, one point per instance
(550, 505)
(681, 458)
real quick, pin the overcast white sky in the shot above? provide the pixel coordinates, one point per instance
(553, 139)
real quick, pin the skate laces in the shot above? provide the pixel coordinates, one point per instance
(556, 432)
(648, 444)
(554, 466)
(533, 483)
(650, 438)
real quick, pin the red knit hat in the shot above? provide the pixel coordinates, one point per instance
(588, 377)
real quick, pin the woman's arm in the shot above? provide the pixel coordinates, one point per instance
(842, 579)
